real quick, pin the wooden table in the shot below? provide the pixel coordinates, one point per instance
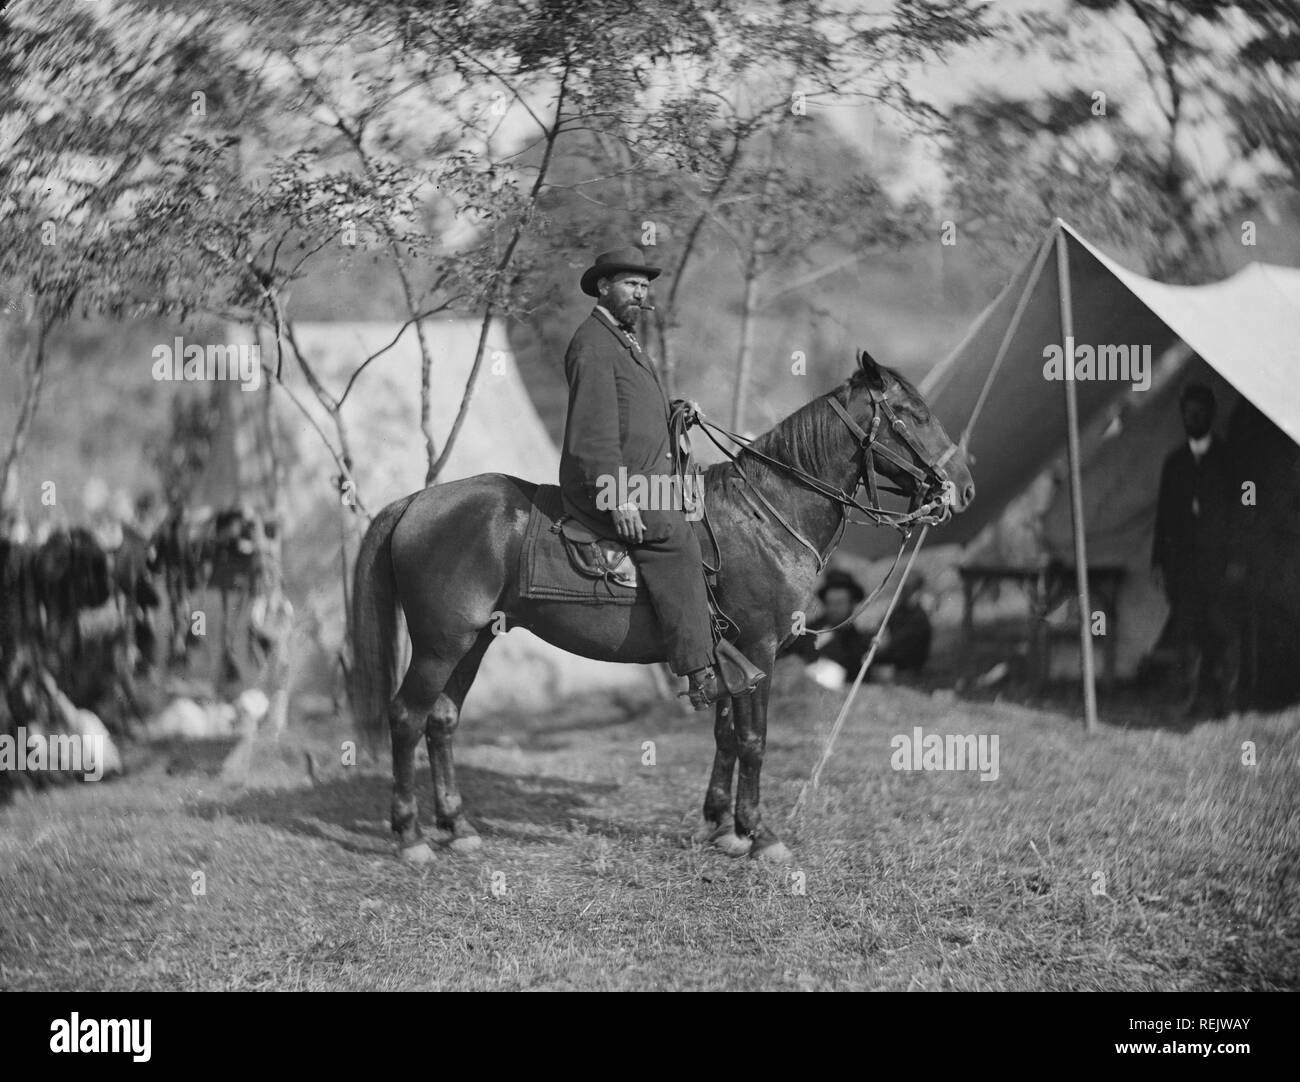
(1047, 587)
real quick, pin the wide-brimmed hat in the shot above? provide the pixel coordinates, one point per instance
(619, 261)
(841, 580)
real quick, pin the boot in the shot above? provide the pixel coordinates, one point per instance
(733, 675)
(704, 689)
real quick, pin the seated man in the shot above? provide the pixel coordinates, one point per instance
(834, 657)
(905, 644)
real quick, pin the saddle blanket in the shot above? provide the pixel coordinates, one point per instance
(546, 570)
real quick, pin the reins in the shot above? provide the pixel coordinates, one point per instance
(928, 514)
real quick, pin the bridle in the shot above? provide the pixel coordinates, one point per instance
(930, 476)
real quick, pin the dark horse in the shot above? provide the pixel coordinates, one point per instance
(449, 556)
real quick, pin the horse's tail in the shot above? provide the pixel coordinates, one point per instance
(374, 675)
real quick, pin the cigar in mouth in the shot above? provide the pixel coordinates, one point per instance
(647, 307)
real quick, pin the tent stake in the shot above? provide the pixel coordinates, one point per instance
(1076, 481)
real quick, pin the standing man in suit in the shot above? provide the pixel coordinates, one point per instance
(1197, 523)
(617, 429)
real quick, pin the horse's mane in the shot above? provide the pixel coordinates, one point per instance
(808, 438)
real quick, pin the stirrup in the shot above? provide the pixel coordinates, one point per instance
(705, 689)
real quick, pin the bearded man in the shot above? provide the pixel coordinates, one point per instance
(616, 432)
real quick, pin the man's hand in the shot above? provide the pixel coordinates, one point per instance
(692, 413)
(627, 520)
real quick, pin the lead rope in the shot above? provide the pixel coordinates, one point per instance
(869, 598)
(828, 746)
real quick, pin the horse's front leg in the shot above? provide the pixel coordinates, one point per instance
(719, 825)
(751, 741)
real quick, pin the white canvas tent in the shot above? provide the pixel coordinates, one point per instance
(992, 389)
(502, 433)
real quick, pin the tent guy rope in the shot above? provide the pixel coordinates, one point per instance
(829, 744)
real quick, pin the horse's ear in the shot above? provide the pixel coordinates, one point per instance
(870, 368)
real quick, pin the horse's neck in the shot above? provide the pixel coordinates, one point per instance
(815, 516)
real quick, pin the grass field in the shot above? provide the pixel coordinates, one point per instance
(589, 878)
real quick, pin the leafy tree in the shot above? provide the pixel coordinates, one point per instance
(1081, 153)
(85, 107)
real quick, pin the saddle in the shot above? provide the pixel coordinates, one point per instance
(568, 561)
(562, 559)
(606, 560)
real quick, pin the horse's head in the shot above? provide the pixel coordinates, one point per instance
(903, 441)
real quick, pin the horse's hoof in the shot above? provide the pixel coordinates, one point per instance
(776, 853)
(707, 832)
(419, 853)
(733, 844)
(468, 843)
(723, 836)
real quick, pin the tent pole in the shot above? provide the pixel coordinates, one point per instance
(1076, 482)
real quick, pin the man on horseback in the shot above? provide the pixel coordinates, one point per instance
(616, 431)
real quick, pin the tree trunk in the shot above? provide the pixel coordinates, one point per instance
(552, 135)
(745, 355)
(667, 360)
(35, 368)
(753, 268)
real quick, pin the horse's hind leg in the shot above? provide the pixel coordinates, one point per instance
(407, 714)
(440, 731)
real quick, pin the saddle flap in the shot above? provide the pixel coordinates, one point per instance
(594, 556)
(562, 560)
(575, 531)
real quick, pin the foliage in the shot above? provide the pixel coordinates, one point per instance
(1015, 163)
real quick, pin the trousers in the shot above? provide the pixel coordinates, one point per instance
(669, 563)
(1207, 617)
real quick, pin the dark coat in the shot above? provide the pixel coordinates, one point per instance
(618, 417)
(846, 646)
(1198, 516)
(908, 644)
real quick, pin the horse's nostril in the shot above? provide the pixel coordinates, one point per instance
(968, 493)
